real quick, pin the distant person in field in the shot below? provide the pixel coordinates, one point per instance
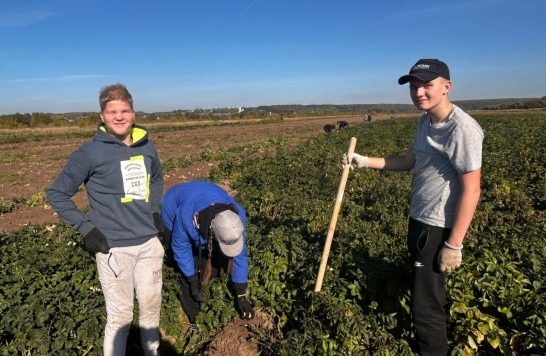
(208, 236)
(343, 124)
(329, 128)
(124, 181)
(446, 159)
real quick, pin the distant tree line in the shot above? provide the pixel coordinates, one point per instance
(519, 104)
(38, 119)
(329, 109)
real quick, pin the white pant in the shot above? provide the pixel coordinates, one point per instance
(123, 271)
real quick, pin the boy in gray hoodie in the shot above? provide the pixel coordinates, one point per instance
(124, 182)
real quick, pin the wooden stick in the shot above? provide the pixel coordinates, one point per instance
(333, 221)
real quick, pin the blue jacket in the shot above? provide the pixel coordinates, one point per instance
(179, 206)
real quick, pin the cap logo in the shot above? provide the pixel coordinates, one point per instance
(420, 66)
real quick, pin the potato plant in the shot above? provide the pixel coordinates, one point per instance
(50, 298)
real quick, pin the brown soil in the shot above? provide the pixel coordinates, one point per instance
(27, 169)
(236, 337)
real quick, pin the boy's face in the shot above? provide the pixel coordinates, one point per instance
(118, 117)
(427, 95)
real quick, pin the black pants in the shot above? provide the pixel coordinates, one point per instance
(429, 303)
(219, 263)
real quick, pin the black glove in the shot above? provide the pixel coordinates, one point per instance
(95, 241)
(162, 231)
(166, 237)
(158, 222)
(246, 310)
(195, 289)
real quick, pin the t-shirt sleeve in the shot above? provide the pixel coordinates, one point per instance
(465, 148)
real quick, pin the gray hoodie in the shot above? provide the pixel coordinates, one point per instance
(124, 186)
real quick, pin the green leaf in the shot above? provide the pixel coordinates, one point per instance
(494, 341)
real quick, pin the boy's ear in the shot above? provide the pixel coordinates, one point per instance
(447, 86)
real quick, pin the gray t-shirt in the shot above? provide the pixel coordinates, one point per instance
(443, 151)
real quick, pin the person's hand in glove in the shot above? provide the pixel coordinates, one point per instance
(245, 309)
(449, 257)
(243, 305)
(167, 237)
(95, 242)
(162, 231)
(355, 160)
(158, 222)
(164, 234)
(195, 289)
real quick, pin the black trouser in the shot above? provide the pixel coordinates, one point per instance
(429, 303)
(219, 262)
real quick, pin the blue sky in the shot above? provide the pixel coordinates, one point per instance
(55, 55)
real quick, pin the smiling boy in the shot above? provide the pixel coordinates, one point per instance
(446, 159)
(124, 183)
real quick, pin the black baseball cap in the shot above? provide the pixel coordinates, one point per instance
(426, 70)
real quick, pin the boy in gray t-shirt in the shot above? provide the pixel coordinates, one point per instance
(442, 152)
(446, 159)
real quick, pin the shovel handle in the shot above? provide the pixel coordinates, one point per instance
(333, 221)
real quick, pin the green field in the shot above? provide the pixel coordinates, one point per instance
(50, 305)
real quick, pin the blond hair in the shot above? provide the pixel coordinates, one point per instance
(114, 92)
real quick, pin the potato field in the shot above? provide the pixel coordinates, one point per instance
(51, 302)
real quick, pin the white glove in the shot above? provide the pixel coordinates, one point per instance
(357, 161)
(449, 258)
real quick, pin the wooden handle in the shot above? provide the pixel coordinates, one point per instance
(333, 221)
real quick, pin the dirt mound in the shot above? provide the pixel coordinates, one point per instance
(236, 338)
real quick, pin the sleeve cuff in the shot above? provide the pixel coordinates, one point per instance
(240, 288)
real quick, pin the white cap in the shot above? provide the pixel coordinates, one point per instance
(228, 230)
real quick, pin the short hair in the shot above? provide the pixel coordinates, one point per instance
(114, 92)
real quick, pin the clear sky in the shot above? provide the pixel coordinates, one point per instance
(55, 55)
